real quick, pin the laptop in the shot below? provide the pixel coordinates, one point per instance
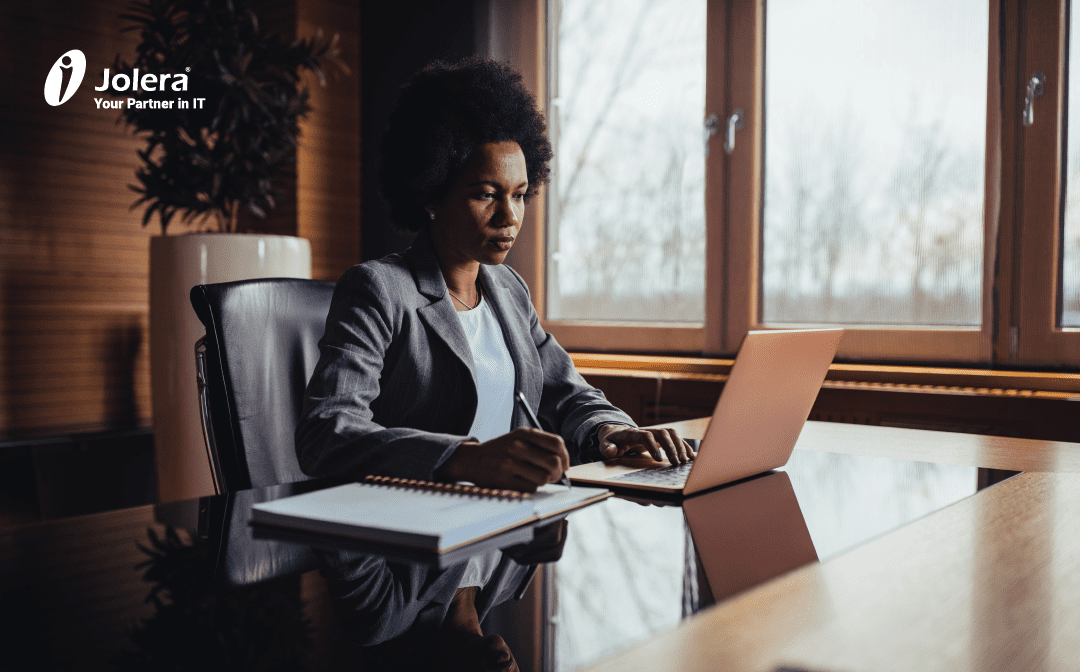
(765, 402)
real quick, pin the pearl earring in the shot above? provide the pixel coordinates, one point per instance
(431, 213)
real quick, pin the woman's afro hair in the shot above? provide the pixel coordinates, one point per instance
(442, 116)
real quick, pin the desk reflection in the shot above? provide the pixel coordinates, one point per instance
(744, 536)
(396, 608)
(630, 571)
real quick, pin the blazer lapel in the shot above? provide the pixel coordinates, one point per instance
(440, 315)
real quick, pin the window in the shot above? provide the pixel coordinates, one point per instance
(875, 175)
(1070, 268)
(874, 170)
(627, 201)
(881, 177)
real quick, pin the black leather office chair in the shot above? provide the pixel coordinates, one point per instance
(260, 348)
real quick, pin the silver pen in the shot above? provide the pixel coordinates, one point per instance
(535, 422)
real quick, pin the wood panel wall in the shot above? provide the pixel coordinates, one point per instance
(328, 163)
(73, 257)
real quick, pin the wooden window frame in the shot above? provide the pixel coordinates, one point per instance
(1031, 320)
(1019, 324)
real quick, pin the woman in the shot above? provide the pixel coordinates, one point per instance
(425, 351)
(396, 389)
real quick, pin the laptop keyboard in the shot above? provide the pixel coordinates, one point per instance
(674, 475)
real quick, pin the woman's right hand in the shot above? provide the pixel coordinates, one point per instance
(522, 460)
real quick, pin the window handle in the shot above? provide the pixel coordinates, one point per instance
(712, 127)
(1034, 90)
(734, 123)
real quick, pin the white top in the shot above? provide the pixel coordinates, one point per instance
(494, 404)
(494, 372)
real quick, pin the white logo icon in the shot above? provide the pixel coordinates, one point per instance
(64, 78)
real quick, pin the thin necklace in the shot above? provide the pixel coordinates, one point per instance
(467, 306)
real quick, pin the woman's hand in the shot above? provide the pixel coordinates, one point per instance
(522, 460)
(618, 440)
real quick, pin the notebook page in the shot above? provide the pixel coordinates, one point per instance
(395, 515)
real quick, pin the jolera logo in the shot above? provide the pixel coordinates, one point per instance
(64, 78)
(67, 73)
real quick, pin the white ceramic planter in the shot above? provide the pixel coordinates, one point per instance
(178, 263)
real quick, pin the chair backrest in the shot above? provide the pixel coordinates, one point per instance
(261, 347)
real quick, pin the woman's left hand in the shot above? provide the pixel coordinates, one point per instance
(618, 440)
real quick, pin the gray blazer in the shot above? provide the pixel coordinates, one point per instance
(394, 392)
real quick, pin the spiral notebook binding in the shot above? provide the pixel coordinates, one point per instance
(451, 488)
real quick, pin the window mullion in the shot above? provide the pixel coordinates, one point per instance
(743, 192)
(1039, 341)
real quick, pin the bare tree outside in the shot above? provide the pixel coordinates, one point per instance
(627, 234)
(938, 196)
(874, 169)
(816, 222)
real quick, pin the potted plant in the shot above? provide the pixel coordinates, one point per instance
(219, 101)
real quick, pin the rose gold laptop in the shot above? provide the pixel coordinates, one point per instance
(765, 402)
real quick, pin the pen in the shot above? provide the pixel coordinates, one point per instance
(535, 422)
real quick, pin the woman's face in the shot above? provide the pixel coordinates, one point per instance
(482, 214)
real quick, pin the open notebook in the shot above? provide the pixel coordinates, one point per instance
(437, 517)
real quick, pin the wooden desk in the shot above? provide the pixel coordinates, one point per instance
(989, 583)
